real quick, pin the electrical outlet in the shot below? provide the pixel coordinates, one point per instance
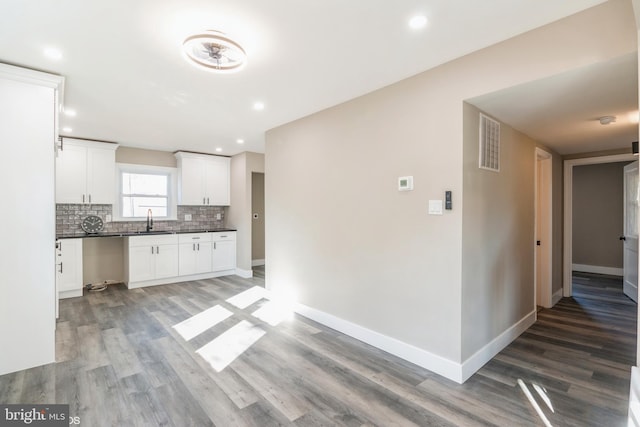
(187, 217)
(218, 216)
(108, 218)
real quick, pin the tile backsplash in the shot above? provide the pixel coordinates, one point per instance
(69, 216)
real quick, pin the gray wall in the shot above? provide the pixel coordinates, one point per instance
(598, 214)
(257, 225)
(498, 226)
(341, 238)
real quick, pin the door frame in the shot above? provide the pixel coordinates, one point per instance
(545, 160)
(568, 210)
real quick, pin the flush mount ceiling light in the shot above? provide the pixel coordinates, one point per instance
(605, 120)
(214, 51)
(418, 22)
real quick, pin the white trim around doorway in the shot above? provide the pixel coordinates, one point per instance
(568, 210)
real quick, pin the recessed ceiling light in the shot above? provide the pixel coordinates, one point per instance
(417, 22)
(214, 51)
(605, 120)
(69, 112)
(240, 141)
(52, 53)
(67, 129)
(218, 149)
(258, 106)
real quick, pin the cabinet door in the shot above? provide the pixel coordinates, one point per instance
(141, 263)
(166, 261)
(192, 190)
(217, 180)
(71, 174)
(187, 259)
(224, 255)
(101, 165)
(69, 265)
(204, 262)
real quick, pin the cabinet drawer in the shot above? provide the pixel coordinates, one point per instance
(165, 239)
(194, 237)
(223, 235)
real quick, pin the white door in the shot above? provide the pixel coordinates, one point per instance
(71, 174)
(224, 255)
(166, 261)
(217, 180)
(141, 263)
(630, 238)
(101, 175)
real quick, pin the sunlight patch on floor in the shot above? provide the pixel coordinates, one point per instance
(274, 312)
(248, 297)
(223, 350)
(199, 323)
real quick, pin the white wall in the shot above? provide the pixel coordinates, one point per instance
(344, 242)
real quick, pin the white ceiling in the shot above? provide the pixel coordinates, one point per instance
(128, 82)
(563, 111)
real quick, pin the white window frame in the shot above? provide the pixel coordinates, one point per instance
(172, 202)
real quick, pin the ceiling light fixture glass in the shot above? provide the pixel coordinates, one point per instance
(240, 141)
(258, 106)
(67, 129)
(52, 53)
(214, 51)
(606, 120)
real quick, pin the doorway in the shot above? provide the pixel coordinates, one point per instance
(257, 220)
(568, 253)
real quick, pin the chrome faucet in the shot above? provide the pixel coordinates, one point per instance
(149, 220)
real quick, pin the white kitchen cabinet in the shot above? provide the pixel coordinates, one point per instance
(195, 253)
(203, 179)
(224, 251)
(85, 172)
(28, 127)
(151, 258)
(69, 268)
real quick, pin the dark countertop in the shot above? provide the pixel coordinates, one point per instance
(138, 233)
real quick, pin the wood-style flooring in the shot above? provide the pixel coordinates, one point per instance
(120, 362)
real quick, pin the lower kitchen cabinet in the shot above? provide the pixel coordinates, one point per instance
(151, 258)
(195, 253)
(69, 268)
(161, 259)
(224, 251)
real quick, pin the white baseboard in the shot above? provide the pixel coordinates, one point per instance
(245, 274)
(438, 364)
(557, 296)
(596, 269)
(257, 262)
(486, 353)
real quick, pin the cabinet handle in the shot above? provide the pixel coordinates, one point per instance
(208, 201)
(194, 247)
(151, 250)
(214, 245)
(89, 198)
(198, 246)
(157, 249)
(204, 200)
(83, 198)
(60, 268)
(223, 237)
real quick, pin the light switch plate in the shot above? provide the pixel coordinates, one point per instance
(435, 207)
(187, 217)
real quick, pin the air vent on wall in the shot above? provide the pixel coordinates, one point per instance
(489, 143)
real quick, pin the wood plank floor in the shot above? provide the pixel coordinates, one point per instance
(122, 363)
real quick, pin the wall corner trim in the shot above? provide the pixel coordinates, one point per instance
(438, 364)
(245, 274)
(486, 353)
(557, 296)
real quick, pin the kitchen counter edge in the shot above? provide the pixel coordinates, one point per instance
(131, 234)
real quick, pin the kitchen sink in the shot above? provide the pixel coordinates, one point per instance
(153, 232)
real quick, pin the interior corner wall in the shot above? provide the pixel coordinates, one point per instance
(342, 241)
(498, 225)
(239, 213)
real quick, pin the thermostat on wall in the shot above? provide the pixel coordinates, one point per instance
(405, 183)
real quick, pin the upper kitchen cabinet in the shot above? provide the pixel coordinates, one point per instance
(85, 172)
(203, 179)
